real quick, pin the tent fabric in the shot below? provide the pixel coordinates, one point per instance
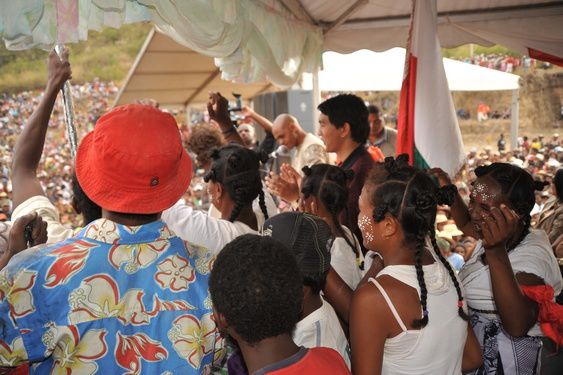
(366, 70)
(252, 40)
(248, 40)
(176, 76)
(379, 25)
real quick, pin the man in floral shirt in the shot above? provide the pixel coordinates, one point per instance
(125, 295)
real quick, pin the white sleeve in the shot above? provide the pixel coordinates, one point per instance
(537, 258)
(56, 232)
(200, 229)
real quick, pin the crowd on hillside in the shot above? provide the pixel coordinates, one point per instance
(204, 250)
(506, 63)
(91, 100)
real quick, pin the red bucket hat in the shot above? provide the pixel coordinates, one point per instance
(133, 161)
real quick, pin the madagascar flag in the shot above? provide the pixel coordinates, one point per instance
(428, 128)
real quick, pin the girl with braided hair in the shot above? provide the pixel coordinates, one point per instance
(324, 193)
(509, 263)
(233, 183)
(411, 318)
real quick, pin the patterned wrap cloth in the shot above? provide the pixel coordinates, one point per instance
(113, 299)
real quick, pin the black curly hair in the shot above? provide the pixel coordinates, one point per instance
(351, 109)
(329, 183)
(412, 197)
(256, 284)
(237, 169)
(518, 186)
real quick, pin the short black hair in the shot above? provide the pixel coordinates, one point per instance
(351, 109)
(256, 284)
(373, 109)
(90, 211)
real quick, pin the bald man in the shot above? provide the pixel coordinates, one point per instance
(310, 149)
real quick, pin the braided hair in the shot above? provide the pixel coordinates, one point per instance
(329, 184)
(237, 169)
(411, 196)
(518, 186)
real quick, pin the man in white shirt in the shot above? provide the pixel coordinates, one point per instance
(309, 149)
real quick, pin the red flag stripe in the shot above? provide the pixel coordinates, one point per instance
(405, 127)
(539, 55)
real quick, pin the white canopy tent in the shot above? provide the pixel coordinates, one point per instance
(366, 70)
(383, 71)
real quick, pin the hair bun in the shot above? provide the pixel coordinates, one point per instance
(402, 160)
(233, 160)
(393, 165)
(424, 201)
(446, 195)
(215, 153)
(540, 185)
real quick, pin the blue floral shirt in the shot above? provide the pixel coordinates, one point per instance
(112, 300)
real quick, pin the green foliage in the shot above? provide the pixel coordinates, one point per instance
(107, 55)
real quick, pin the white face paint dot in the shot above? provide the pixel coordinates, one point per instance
(364, 223)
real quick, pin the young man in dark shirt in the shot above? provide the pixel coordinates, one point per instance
(344, 128)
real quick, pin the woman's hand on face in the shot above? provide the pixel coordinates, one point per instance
(499, 227)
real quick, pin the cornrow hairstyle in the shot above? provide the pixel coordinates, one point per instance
(329, 184)
(237, 169)
(411, 196)
(518, 186)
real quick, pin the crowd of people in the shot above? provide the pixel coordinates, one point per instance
(506, 63)
(91, 100)
(207, 251)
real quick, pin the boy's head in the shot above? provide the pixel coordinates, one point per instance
(256, 290)
(343, 113)
(309, 238)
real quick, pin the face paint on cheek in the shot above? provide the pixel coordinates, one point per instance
(364, 223)
(483, 191)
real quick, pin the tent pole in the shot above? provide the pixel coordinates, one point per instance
(316, 100)
(514, 119)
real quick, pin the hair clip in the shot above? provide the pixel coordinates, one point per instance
(307, 170)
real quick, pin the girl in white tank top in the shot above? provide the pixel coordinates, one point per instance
(411, 319)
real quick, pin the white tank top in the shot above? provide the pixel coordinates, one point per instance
(436, 348)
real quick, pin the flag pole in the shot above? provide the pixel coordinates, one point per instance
(68, 110)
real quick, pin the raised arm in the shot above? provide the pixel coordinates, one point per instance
(29, 145)
(499, 228)
(259, 119)
(218, 108)
(459, 210)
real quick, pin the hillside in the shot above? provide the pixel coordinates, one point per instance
(106, 55)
